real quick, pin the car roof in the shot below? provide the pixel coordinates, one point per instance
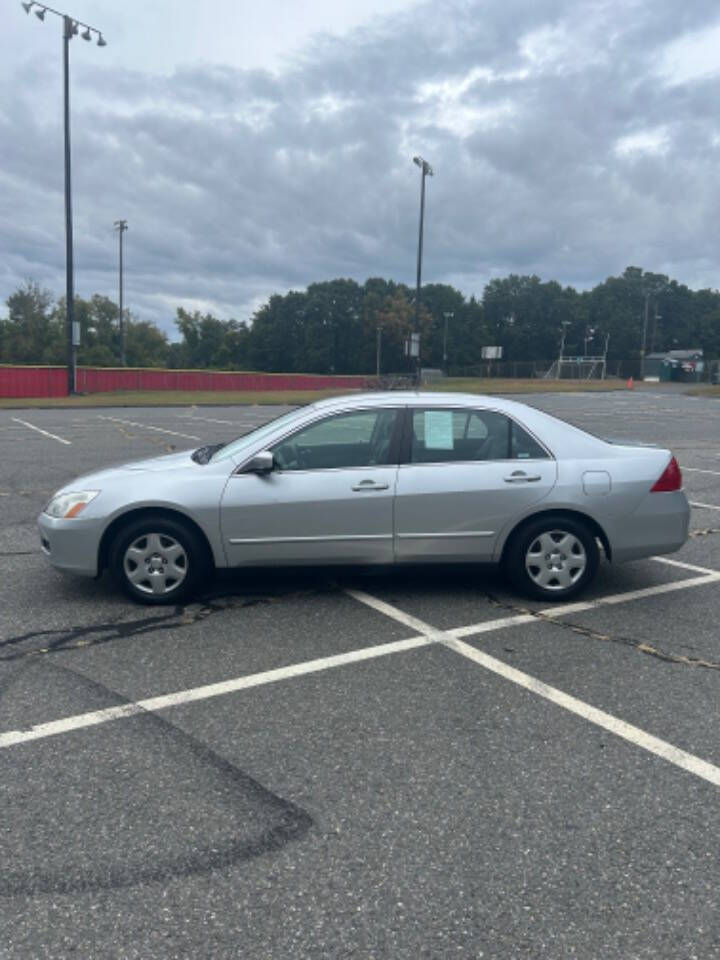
(419, 398)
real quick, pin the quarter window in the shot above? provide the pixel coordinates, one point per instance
(360, 439)
(525, 447)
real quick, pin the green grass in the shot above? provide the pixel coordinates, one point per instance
(165, 398)
(501, 385)
(707, 390)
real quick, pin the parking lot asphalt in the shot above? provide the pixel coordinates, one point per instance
(355, 764)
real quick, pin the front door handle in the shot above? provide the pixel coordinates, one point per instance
(517, 476)
(370, 485)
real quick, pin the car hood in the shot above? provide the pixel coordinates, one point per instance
(166, 462)
(172, 461)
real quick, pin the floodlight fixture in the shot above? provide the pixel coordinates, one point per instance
(424, 166)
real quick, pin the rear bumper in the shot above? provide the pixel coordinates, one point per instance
(70, 545)
(659, 525)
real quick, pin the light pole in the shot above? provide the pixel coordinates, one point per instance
(121, 227)
(425, 171)
(71, 28)
(644, 338)
(654, 329)
(448, 316)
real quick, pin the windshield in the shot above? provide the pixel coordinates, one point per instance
(238, 447)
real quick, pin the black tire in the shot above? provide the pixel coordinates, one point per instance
(159, 560)
(552, 558)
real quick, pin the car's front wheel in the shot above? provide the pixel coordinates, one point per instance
(158, 560)
(552, 558)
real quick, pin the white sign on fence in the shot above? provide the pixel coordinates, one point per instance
(492, 353)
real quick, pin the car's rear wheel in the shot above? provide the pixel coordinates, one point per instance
(158, 560)
(552, 558)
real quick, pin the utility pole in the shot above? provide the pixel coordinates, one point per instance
(121, 227)
(448, 316)
(654, 329)
(426, 171)
(563, 327)
(644, 337)
(378, 345)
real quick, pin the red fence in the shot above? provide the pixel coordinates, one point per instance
(33, 382)
(52, 381)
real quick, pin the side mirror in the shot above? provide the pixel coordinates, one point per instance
(263, 462)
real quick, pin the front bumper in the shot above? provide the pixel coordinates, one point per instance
(71, 545)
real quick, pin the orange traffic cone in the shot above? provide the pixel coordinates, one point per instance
(631, 383)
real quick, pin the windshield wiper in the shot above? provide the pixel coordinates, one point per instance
(204, 454)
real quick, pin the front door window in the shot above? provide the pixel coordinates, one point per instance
(360, 439)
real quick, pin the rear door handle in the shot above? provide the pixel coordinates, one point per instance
(370, 485)
(519, 477)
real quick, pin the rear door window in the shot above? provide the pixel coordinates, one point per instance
(442, 436)
(445, 436)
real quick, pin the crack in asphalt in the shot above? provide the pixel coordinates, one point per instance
(82, 636)
(707, 532)
(590, 634)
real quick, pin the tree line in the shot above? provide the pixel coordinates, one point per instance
(341, 326)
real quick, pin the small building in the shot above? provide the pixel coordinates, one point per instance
(682, 365)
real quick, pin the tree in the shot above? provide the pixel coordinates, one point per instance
(145, 344)
(32, 333)
(209, 342)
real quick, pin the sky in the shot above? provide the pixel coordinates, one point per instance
(257, 148)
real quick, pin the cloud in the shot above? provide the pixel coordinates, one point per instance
(558, 149)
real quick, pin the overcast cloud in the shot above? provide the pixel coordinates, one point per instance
(252, 155)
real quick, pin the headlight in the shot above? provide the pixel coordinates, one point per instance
(70, 504)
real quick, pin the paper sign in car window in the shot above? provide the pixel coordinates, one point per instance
(438, 430)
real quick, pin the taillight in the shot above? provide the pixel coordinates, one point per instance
(670, 480)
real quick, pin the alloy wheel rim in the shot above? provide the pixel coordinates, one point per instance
(556, 560)
(155, 563)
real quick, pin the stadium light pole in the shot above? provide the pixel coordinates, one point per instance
(70, 29)
(121, 227)
(425, 171)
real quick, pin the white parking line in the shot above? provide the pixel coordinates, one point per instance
(580, 606)
(146, 426)
(636, 736)
(232, 423)
(704, 506)
(96, 717)
(427, 635)
(715, 473)
(627, 596)
(685, 566)
(44, 432)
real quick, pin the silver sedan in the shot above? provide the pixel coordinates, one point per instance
(376, 479)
